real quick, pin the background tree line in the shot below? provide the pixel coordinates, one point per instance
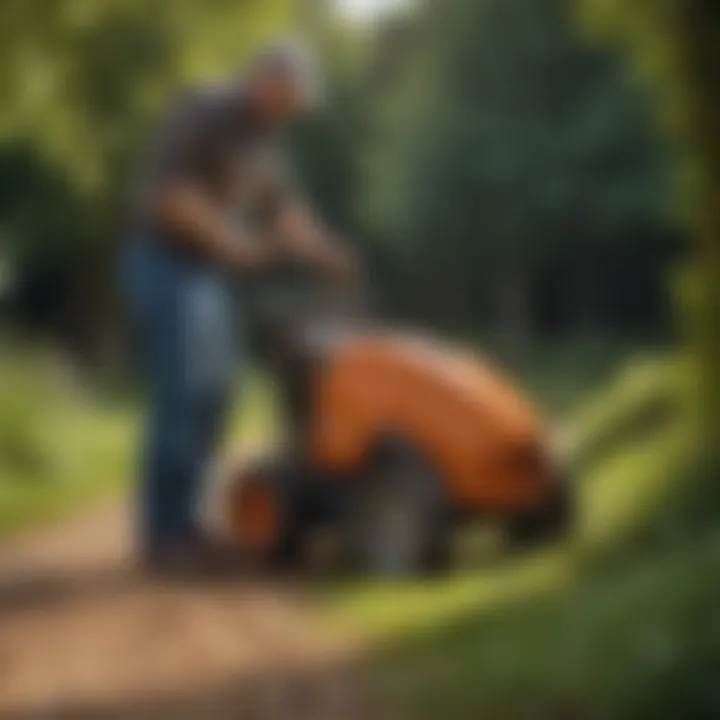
(504, 175)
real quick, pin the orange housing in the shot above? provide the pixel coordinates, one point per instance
(484, 441)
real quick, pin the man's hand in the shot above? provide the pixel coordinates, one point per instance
(198, 224)
(245, 255)
(303, 238)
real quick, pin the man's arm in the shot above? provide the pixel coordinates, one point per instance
(178, 199)
(303, 237)
(195, 222)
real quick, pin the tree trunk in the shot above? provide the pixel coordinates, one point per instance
(513, 313)
(584, 295)
(693, 36)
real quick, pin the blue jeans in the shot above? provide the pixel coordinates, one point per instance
(184, 317)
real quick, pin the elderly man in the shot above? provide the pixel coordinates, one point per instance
(214, 206)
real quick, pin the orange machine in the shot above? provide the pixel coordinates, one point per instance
(392, 440)
(473, 428)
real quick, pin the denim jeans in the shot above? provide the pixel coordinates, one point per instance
(184, 316)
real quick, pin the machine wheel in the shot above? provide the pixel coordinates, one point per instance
(550, 523)
(399, 524)
(265, 517)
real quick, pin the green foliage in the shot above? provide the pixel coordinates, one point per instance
(638, 642)
(640, 401)
(83, 77)
(674, 44)
(82, 83)
(564, 373)
(510, 147)
(23, 435)
(480, 148)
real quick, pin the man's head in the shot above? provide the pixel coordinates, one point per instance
(283, 81)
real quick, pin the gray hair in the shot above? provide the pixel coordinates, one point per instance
(295, 58)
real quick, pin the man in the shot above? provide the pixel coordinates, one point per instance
(214, 206)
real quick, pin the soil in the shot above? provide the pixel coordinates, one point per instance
(83, 634)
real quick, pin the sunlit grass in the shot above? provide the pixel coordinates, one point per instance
(256, 418)
(62, 446)
(557, 632)
(597, 645)
(381, 612)
(88, 455)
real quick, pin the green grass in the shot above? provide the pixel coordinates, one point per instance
(63, 447)
(540, 640)
(60, 446)
(619, 623)
(256, 419)
(559, 375)
(87, 456)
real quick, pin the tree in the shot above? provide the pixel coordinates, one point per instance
(509, 147)
(82, 83)
(675, 44)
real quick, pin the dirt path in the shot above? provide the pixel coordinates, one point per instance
(83, 636)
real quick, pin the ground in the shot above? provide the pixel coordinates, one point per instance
(619, 623)
(84, 635)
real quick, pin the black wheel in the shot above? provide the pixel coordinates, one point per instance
(550, 523)
(398, 520)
